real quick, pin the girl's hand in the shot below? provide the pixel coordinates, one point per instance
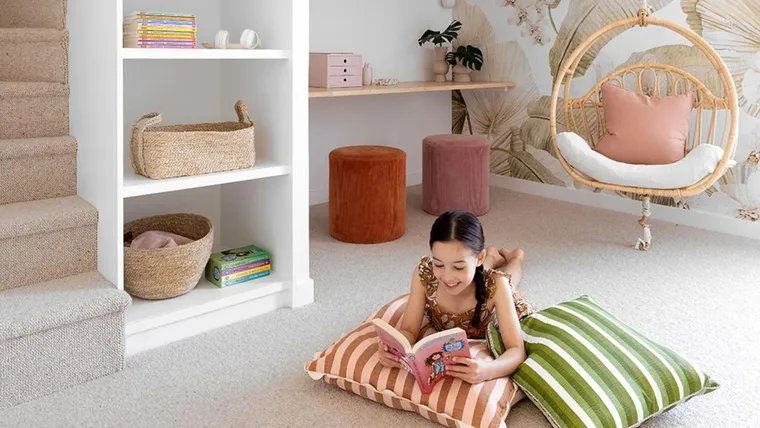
(386, 358)
(469, 370)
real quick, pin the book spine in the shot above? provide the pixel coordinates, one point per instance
(249, 266)
(160, 22)
(246, 278)
(156, 13)
(165, 28)
(237, 263)
(151, 33)
(246, 272)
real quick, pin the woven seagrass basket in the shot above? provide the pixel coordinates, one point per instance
(170, 151)
(163, 273)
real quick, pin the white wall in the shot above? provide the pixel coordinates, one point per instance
(385, 34)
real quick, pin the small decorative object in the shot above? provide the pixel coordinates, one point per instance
(440, 67)
(249, 39)
(366, 75)
(465, 59)
(335, 70)
(180, 150)
(238, 265)
(169, 271)
(386, 82)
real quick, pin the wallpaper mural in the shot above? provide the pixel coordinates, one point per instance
(526, 41)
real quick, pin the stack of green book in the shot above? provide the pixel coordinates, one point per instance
(238, 265)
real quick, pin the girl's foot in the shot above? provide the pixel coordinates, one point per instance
(517, 254)
(494, 259)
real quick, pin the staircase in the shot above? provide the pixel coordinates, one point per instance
(61, 322)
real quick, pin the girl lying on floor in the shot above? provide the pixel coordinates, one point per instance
(463, 284)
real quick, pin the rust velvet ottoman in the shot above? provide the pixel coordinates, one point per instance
(455, 173)
(367, 201)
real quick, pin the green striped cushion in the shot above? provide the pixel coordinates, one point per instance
(585, 368)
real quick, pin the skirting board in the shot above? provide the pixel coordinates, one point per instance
(321, 196)
(698, 219)
(170, 333)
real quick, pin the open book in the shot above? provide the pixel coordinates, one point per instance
(428, 358)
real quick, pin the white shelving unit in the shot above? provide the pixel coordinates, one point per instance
(266, 205)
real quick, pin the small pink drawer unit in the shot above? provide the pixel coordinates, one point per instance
(335, 69)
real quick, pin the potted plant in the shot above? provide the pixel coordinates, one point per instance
(465, 59)
(439, 38)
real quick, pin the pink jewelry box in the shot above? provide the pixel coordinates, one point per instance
(335, 69)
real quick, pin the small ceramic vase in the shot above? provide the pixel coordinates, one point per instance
(461, 73)
(440, 67)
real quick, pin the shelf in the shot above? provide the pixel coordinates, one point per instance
(202, 53)
(143, 315)
(137, 185)
(404, 87)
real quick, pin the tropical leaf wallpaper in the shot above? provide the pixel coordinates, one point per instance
(526, 41)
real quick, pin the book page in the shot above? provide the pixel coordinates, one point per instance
(397, 342)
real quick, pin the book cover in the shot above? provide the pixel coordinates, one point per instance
(237, 257)
(428, 358)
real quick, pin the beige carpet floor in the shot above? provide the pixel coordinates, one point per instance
(696, 291)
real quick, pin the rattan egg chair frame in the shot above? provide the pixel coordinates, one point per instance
(585, 115)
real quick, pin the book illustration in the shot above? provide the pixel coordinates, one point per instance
(428, 358)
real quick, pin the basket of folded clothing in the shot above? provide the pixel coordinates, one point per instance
(165, 255)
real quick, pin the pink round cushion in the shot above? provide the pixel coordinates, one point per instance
(455, 173)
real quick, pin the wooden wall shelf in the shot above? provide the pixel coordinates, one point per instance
(404, 87)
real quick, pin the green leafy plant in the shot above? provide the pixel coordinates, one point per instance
(439, 38)
(470, 56)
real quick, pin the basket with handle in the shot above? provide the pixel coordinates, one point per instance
(170, 151)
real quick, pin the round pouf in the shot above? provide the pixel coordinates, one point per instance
(367, 194)
(455, 172)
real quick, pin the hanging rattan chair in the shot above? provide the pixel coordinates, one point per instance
(584, 116)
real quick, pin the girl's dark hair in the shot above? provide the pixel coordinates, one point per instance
(463, 227)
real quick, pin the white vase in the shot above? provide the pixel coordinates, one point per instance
(461, 73)
(440, 66)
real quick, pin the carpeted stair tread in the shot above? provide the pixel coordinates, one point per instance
(43, 306)
(46, 146)
(33, 13)
(37, 168)
(48, 215)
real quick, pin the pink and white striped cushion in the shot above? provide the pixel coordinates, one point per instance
(351, 363)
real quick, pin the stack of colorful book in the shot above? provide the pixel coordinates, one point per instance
(238, 265)
(146, 29)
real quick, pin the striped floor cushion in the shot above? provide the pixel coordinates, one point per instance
(351, 363)
(585, 368)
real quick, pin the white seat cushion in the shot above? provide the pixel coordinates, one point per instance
(696, 165)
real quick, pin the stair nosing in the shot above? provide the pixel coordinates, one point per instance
(33, 35)
(19, 148)
(33, 89)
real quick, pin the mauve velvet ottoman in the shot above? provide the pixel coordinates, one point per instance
(455, 173)
(367, 194)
